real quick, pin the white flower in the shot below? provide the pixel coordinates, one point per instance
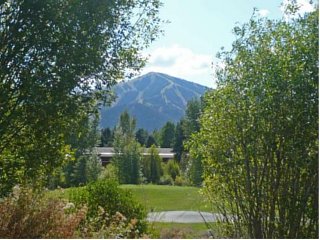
(69, 206)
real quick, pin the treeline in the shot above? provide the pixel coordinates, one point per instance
(171, 135)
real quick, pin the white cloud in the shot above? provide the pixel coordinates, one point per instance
(263, 12)
(181, 62)
(304, 7)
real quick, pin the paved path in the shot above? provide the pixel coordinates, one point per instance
(183, 217)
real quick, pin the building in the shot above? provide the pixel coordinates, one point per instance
(106, 153)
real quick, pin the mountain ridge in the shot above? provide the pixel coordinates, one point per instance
(153, 99)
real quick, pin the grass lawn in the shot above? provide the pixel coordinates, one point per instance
(157, 197)
(166, 198)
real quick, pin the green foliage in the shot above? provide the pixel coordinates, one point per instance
(191, 125)
(107, 136)
(167, 135)
(27, 214)
(87, 169)
(127, 151)
(172, 169)
(127, 124)
(191, 122)
(93, 168)
(109, 172)
(105, 226)
(151, 141)
(86, 166)
(179, 138)
(195, 170)
(151, 165)
(106, 196)
(181, 181)
(259, 130)
(166, 179)
(142, 136)
(58, 60)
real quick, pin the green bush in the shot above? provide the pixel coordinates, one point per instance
(108, 195)
(181, 181)
(105, 200)
(79, 196)
(173, 169)
(166, 180)
(109, 172)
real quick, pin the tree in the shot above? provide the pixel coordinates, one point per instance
(151, 167)
(259, 130)
(172, 169)
(190, 126)
(106, 137)
(142, 136)
(179, 138)
(150, 141)
(57, 60)
(167, 135)
(191, 122)
(195, 170)
(127, 150)
(127, 124)
(85, 166)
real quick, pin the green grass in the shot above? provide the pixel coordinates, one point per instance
(61, 193)
(157, 197)
(166, 198)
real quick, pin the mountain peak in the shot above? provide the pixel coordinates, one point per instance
(153, 99)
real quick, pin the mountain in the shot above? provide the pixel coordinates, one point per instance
(153, 99)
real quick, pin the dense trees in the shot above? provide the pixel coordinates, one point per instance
(178, 141)
(151, 167)
(127, 149)
(167, 135)
(106, 137)
(190, 126)
(57, 59)
(259, 130)
(142, 136)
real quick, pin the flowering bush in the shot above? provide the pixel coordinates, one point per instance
(27, 214)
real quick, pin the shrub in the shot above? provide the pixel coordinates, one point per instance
(173, 169)
(109, 172)
(27, 214)
(108, 195)
(105, 201)
(174, 233)
(166, 180)
(181, 181)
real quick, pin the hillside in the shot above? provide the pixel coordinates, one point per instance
(152, 99)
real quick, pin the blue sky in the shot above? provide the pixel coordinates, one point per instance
(198, 29)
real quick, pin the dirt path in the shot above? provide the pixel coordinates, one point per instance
(183, 217)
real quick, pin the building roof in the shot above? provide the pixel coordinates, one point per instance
(109, 152)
